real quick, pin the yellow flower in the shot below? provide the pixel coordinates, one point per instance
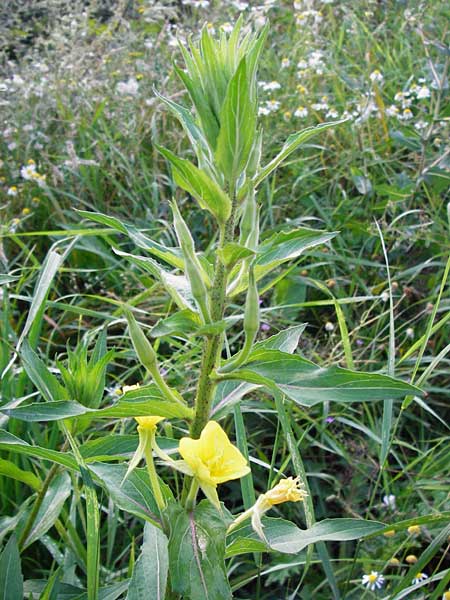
(287, 490)
(389, 533)
(446, 595)
(212, 459)
(26, 211)
(411, 559)
(146, 430)
(394, 562)
(148, 423)
(414, 529)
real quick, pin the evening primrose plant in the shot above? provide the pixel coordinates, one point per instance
(185, 435)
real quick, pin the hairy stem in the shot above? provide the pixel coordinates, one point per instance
(213, 344)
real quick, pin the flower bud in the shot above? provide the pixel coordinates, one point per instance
(251, 315)
(249, 225)
(193, 268)
(141, 345)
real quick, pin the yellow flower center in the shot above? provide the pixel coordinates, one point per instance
(148, 423)
(372, 577)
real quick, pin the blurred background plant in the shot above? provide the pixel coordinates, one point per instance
(78, 124)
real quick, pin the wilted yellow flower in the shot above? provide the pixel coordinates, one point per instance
(394, 562)
(212, 459)
(146, 429)
(414, 529)
(287, 490)
(411, 559)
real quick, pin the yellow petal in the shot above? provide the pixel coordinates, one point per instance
(148, 422)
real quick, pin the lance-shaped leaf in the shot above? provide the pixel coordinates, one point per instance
(46, 382)
(307, 384)
(176, 285)
(237, 125)
(196, 182)
(58, 492)
(192, 130)
(284, 536)
(292, 143)
(276, 250)
(11, 578)
(171, 256)
(134, 495)
(11, 443)
(149, 578)
(142, 402)
(196, 552)
(229, 393)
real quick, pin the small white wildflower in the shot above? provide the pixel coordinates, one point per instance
(410, 332)
(389, 501)
(301, 112)
(263, 111)
(329, 326)
(392, 111)
(240, 5)
(302, 64)
(285, 62)
(419, 578)
(407, 114)
(271, 86)
(376, 76)
(273, 105)
(373, 581)
(28, 172)
(423, 92)
(332, 114)
(12, 191)
(227, 27)
(421, 124)
(384, 296)
(128, 88)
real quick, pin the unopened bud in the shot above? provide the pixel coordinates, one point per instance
(142, 346)
(193, 268)
(251, 315)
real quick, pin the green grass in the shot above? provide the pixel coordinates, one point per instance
(381, 182)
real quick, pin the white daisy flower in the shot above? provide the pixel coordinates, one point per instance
(423, 92)
(301, 111)
(376, 76)
(419, 578)
(373, 581)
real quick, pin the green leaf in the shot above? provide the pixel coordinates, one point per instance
(149, 578)
(196, 182)
(10, 469)
(11, 578)
(35, 368)
(284, 536)
(145, 401)
(229, 393)
(171, 256)
(50, 267)
(196, 552)
(237, 125)
(176, 285)
(279, 248)
(58, 492)
(183, 323)
(292, 143)
(308, 384)
(14, 444)
(232, 253)
(193, 132)
(134, 496)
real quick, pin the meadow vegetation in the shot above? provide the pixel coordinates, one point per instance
(98, 223)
